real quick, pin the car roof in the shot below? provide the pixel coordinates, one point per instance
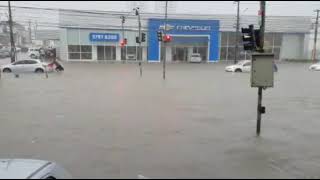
(29, 60)
(20, 168)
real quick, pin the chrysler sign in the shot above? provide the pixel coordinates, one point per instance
(185, 28)
(193, 28)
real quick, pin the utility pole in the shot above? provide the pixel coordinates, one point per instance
(139, 40)
(262, 29)
(12, 54)
(165, 43)
(262, 13)
(237, 33)
(35, 30)
(314, 52)
(123, 19)
(30, 32)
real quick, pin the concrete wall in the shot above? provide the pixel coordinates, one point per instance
(292, 46)
(63, 50)
(310, 44)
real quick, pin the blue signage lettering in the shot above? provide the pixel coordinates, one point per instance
(104, 37)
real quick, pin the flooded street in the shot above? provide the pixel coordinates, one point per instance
(105, 121)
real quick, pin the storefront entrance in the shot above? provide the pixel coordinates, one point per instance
(181, 48)
(106, 53)
(179, 54)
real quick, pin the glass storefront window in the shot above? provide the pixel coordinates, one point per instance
(74, 55)
(86, 55)
(86, 49)
(277, 39)
(223, 53)
(231, 53)
(131, 53)
(106, 52)
(74, 48)
(224, 38)
(77, 52)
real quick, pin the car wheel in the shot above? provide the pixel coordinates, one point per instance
(7, 70)
(39, 70)
(238, 70)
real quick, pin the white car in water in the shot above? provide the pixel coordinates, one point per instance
(31, 169)
(315, 67)
(195, 58)
(22, 66)
(241, 66)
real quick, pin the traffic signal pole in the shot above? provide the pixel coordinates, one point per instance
(165, 46)
(139, 41)
(12, 54)
(262, 29)
(123, 18)
(237, 33)
(314, 52)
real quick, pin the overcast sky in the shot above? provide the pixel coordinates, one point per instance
(282, 8)
(273, 8)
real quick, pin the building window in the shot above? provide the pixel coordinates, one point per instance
(224, 38)
(106, 52)
(80, 52)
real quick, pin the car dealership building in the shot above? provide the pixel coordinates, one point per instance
(97, 37)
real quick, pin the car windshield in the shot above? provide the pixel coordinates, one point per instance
(242, 62)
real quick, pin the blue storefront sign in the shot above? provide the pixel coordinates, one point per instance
(197, 29)
(109, 37)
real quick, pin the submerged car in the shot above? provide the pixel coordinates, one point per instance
(21, 66)
(195, 58)
(245, 66)
(315, 67)
(241, 66)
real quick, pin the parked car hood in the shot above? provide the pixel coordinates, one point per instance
(19, 168)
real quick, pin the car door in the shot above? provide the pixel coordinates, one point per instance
(30, 66)
(246, 67)
(18, 66)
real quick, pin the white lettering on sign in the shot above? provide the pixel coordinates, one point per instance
(104, 37)
(194, 28)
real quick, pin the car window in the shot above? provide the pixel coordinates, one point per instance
(247, 64)
(241, 62)
(19, 62)
(31, 62)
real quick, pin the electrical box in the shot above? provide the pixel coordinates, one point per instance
(262, 70)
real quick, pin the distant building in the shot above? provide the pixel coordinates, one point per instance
(19, 33)
(212, 36)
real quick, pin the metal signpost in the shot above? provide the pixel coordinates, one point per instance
(262, 66)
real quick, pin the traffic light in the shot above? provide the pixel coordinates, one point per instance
(143, 37)
(167, 38)
(123, 42)
(159, 34)
(248, 38)
(137, 40)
